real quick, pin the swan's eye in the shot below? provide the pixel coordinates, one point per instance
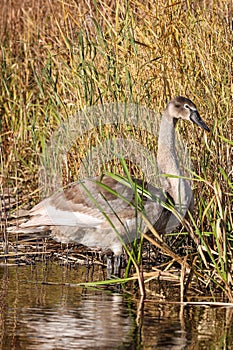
(186, 106)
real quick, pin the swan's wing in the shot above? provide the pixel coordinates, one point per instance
(81, 204)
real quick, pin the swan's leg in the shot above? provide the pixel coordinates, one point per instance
(117, 265)
(109, 266)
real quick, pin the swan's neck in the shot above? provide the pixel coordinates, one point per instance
(166, 156)
(178, 188)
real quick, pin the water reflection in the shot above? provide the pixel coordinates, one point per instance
(39, 316)
(189, 327)
(98, 321)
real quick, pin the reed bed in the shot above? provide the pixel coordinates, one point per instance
(57, 58)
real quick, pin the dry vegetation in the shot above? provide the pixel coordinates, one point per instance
(58, 57)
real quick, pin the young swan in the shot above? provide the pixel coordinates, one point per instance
(73, 216)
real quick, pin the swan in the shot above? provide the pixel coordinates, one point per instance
(98, 212)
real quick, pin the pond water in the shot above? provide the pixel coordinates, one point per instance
(58, 316)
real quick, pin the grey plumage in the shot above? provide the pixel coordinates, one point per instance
(72, 216)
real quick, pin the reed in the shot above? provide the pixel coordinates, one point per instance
(59, 57)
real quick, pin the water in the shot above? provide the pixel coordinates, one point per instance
(41, 316)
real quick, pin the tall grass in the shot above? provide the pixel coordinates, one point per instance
(59, 57)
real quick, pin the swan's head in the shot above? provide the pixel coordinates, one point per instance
(182, 107)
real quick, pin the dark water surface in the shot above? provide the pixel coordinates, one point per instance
(40, 316)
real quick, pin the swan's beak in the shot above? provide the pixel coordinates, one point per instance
(195, 117)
